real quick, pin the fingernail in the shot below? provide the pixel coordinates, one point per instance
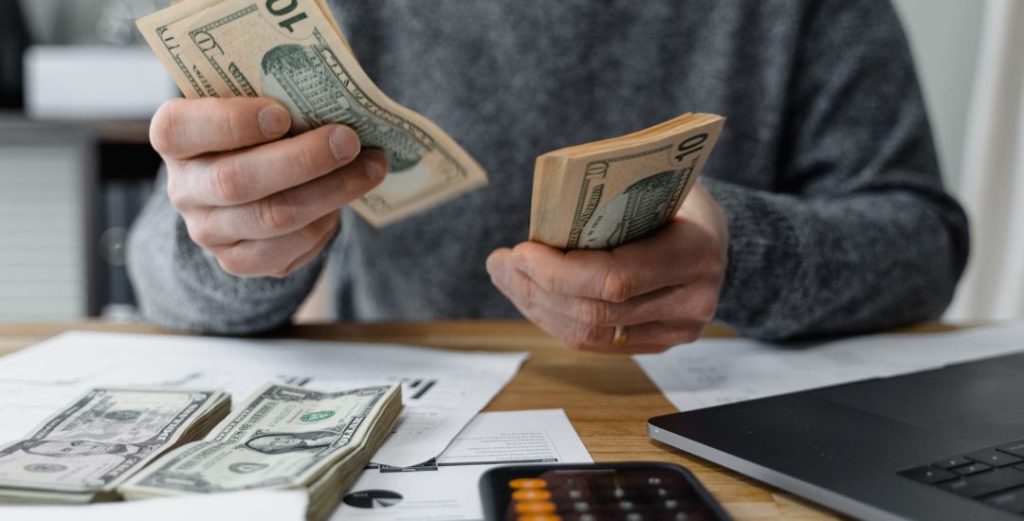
(344, 143)
(274, 120)
(520, 263)
(376, 165)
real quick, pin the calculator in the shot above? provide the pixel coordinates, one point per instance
(596, 492)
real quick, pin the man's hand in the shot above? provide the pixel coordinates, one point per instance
(662, 291)
(262, 205)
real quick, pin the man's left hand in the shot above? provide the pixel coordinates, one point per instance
(660, 291)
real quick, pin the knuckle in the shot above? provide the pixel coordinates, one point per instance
(164, 128)
(616, 286)
(312, 234)
(584, 335)
(233, 263)
(592, 312)
(305, 158)
(706, 309)
(688, 335)
(200, 232)
(226, 181)
(175, 192)
(276, 213)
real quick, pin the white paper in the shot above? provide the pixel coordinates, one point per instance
(442, 390)
(720, 371)
(448, 488)
(277, 505)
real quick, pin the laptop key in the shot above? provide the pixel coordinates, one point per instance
(1016, 448)
(973, 468)
(949, 463)
(994, 457)
(1011, 501)
(928, 475)
(986, 483)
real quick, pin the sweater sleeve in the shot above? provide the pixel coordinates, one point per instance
(859, 233)
(181, 286)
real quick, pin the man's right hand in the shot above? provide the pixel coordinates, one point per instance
(262, 205)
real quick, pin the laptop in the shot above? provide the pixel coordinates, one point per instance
(944, 444)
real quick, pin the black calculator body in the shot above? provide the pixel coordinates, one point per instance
(596, 492)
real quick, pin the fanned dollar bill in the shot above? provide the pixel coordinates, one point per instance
(85, 451)
(605, 194)
(284, 437)
(293, 50)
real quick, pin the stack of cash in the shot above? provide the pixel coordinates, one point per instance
(284, 437)
(605, 194)
(294, 51)
(84, 452)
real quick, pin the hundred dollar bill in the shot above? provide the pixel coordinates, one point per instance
(292, 50)
(283, 437)
(83, 452)
(605, 194)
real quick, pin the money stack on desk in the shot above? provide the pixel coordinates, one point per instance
(605, 194)
(283, 438)
(294, 51)
(85, 451)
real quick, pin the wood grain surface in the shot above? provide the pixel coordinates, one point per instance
(607, 398)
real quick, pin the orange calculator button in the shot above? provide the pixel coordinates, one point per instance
(539, 517)
(536, 507)
(531, 494)
(522, 483)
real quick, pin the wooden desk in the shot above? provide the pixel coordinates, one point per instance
(608, 398)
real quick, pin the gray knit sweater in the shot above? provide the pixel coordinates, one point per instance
(827, 170)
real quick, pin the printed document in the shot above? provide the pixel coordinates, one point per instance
(442, 390)
(448, 487)
(719, 371)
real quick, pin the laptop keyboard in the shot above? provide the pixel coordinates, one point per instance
(994, 476)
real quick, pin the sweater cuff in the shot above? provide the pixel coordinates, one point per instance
(761, 246)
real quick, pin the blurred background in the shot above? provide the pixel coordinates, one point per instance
(77, 86)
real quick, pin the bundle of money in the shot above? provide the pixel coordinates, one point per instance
(605, 194)
(294, 51)
(284, 437)
(85, 451)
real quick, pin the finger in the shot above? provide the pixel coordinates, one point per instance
(647, 337)
(303, 260)
(293, 209)
(278, 256)
(553, 324)
(695, 301)
(241, 177)
(614, 276)
(183, 129)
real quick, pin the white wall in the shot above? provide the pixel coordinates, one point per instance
(944, 36)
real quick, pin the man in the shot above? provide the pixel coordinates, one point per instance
(821, 212)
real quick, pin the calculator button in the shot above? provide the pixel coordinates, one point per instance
(539, 517)
(654, 481)
(634, 516)
(522, 483)
(671, 504)
(626, 505)
(581, 506)
(536, 507)
(531, 494)
(575, 494)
